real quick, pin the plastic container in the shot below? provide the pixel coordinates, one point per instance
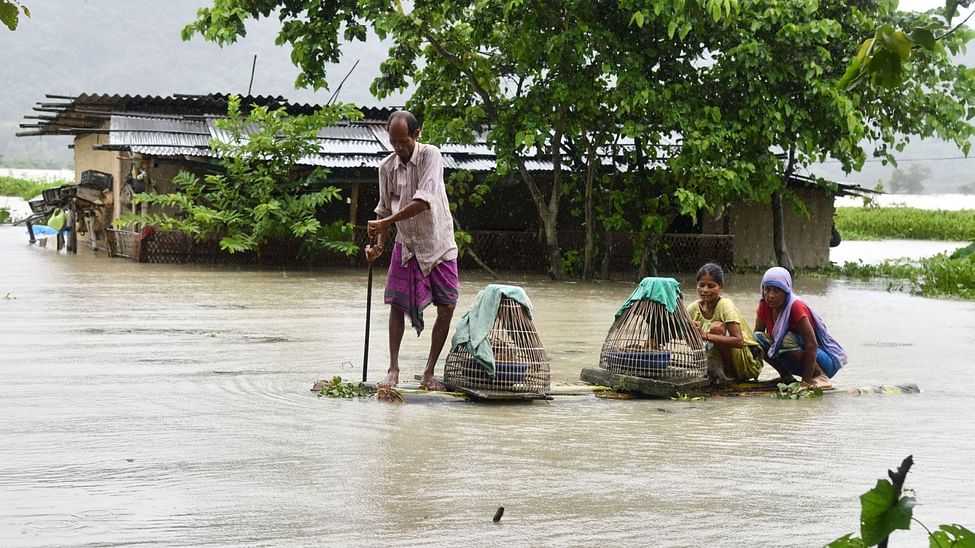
(97, 179)
(650, 360)
(504, 372)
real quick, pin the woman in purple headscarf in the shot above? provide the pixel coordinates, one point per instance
(793, 336)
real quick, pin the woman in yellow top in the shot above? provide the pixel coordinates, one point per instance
(733, 352)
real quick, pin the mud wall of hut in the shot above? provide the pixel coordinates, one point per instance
(807, 237)
(86, 157)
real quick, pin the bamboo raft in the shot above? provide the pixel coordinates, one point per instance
(412, 393)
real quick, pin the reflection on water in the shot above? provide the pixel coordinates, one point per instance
(170, 405)
(878, 251)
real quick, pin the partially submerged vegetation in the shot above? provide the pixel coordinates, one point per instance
(337, 388)
(889, 507)
(24, 188)
(938, 276)
(795, 391)
(261, 194)
(876, 223)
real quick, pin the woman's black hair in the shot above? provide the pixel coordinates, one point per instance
(714, 270)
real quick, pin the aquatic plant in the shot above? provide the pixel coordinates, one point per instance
(938, 276)
(795, 391)
(875, 223)
(337, 388)
(24, 188)
(889, 507)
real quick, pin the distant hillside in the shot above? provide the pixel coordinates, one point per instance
(69, 47)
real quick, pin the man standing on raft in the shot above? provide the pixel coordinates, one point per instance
(423, 265)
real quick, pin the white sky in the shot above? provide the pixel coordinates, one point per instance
(923, 5)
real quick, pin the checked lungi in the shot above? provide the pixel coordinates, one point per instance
(410, 291)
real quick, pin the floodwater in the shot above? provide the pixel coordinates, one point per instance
(170, 405)
(878, 251)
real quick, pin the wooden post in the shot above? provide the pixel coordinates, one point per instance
(90, 223)
(72, 243)
(354, 206)
(30, 232)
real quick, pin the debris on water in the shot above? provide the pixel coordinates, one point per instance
(337, 388)
(386, 393)
(498, 514)
(610, 395)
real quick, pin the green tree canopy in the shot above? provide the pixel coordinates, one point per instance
(647, 109)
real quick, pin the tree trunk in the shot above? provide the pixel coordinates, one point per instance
(648, 257)
(782, 256)
(547, 214)
(553, 250)
(607, 255)
(587, 263)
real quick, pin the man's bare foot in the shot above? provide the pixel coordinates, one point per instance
(390, 380)
(432, 384)
(819, 381)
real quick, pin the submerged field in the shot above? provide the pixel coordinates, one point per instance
(945, 274)
(879, 223)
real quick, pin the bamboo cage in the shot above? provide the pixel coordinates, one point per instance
(651, 342)
(521, 364)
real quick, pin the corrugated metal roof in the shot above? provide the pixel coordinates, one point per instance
(348, 132)
(343, 161)
(337, 146)
(74, 114)
(143, 130)
(347, 146)
(473, 150)
(164, 152)
(188, 133)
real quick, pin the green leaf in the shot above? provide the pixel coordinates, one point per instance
(851, 76)
(638, 19)
(847, 541)
(881, 512)
(954, 535)
(9, 15)
(923, 37)
(951, 7)
(899, 43)
(886, 68)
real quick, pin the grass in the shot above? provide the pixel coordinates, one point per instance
(876, 223)
(23, 188)
(940, 276)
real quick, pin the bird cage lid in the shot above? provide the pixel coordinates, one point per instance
(475, 325)
(665, 291)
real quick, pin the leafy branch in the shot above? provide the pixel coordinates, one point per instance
(262, 193)
(885, 509)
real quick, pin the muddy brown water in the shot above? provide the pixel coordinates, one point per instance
(170, 405)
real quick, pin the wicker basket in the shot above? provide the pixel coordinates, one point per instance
(521, 364)
(651, 342)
